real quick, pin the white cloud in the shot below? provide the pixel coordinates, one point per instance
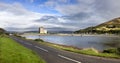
(17, 21)
(16, 16)
(77, 15)
(15, 8)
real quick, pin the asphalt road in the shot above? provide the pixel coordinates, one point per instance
(52, 55)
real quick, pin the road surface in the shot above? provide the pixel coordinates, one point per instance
(52, 55)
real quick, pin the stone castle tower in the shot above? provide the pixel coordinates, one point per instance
(42, 30)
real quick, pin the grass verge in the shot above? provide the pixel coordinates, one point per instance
(12, 52)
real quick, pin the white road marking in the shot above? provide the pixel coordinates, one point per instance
(28, 43)
(41, 48)
(69, 59)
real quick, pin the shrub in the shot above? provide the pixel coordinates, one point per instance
(39, 40)
(111, 50)
(118, 50)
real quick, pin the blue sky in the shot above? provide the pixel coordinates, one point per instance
(56, 15)
(32, 5)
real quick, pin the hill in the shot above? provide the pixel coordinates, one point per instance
(2, 31)
(112, 26)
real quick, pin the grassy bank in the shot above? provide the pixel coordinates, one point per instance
(86, 51)
(12, 52)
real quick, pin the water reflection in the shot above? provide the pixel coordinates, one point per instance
(98, 42)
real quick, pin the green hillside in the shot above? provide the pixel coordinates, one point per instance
(2, 31)
(112, 26)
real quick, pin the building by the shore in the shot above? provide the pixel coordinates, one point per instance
(42, 30)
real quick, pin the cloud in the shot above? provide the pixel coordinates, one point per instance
(74, 14)
(92, 12)
(48, 18)
(55, 22)
(83, 13)
(77, 8)
(108, 8)
(16, 16)
(15, 8)
(86, 1)
(78, 17)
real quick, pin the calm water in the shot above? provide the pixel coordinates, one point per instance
(78, 41)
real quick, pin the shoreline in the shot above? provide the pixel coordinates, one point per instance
(105, 35)
(84, 51)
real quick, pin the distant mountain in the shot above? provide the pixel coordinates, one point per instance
(30, 32)
(52, 32)
(112, 26)
(68, 32)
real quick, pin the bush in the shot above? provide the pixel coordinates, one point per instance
(111, 50)
(118, 50)
(39, 40)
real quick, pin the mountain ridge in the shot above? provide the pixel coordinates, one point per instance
(112, 26)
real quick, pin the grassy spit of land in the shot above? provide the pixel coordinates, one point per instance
(12, 52)
(86, 51)
(109, 53)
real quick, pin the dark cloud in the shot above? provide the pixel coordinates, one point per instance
(78, 17)
(58, 29)
(108, 9)
(47, 18)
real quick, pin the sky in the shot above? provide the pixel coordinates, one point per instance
(56, 15)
